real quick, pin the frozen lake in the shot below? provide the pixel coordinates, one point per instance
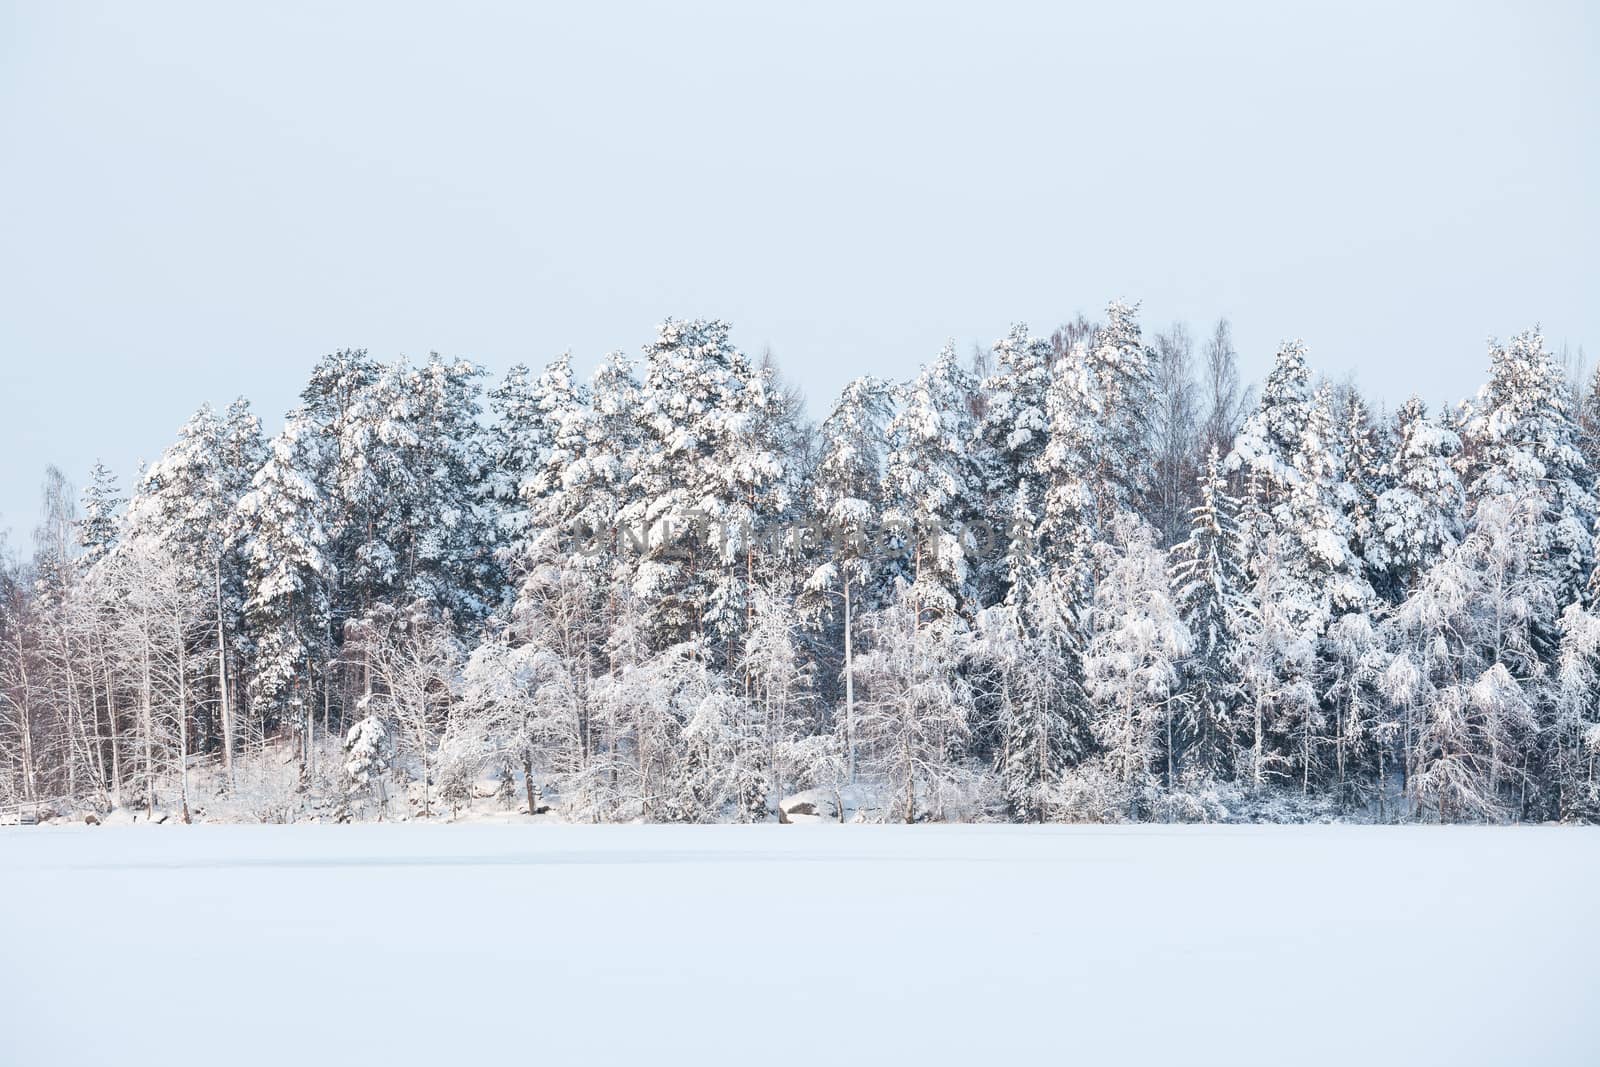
(764, 945)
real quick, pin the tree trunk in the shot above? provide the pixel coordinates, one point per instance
(183, 724)
(222, 680)
(527, 785)
(849, 692)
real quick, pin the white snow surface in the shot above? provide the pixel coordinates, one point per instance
(816, 944)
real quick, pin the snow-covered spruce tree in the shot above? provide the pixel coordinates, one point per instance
(98, 526)
(846, 508)
(1069, 521)
(1118, 366)
(1096, 464)
(1028, 660)
(1524, 441)
(1419, 518)
(930, 487)
(914, 720)
(287, 574)
(1574, 750)
(1350, 664)
(1012, 434)
(1359, 474)
(1130, 666)
(1266, 448)
(1287, 454)
(1588, 417)
(1212, 591)
(1524, 446)
(368, 752)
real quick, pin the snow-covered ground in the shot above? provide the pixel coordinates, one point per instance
(760, 945)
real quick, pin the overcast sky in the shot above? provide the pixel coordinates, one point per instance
(201, 199)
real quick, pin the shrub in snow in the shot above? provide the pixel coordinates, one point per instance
(368, 752)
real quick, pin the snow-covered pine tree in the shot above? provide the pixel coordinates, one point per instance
(525, 466)
(450, 534)
(556, 670)
(515, 450)
(760, 485)
(336, 405)
(287, 577)
(244, 448)
(930, 487)
(846, 508)
(602, 480)
(187, 501)
(695, 406)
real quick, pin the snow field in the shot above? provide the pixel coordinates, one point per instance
(799, 944)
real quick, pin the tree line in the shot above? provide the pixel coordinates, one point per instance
(1083, 576)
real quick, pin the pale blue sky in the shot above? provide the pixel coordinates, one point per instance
(200, 199)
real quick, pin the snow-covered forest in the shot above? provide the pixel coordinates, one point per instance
(1083, 576)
